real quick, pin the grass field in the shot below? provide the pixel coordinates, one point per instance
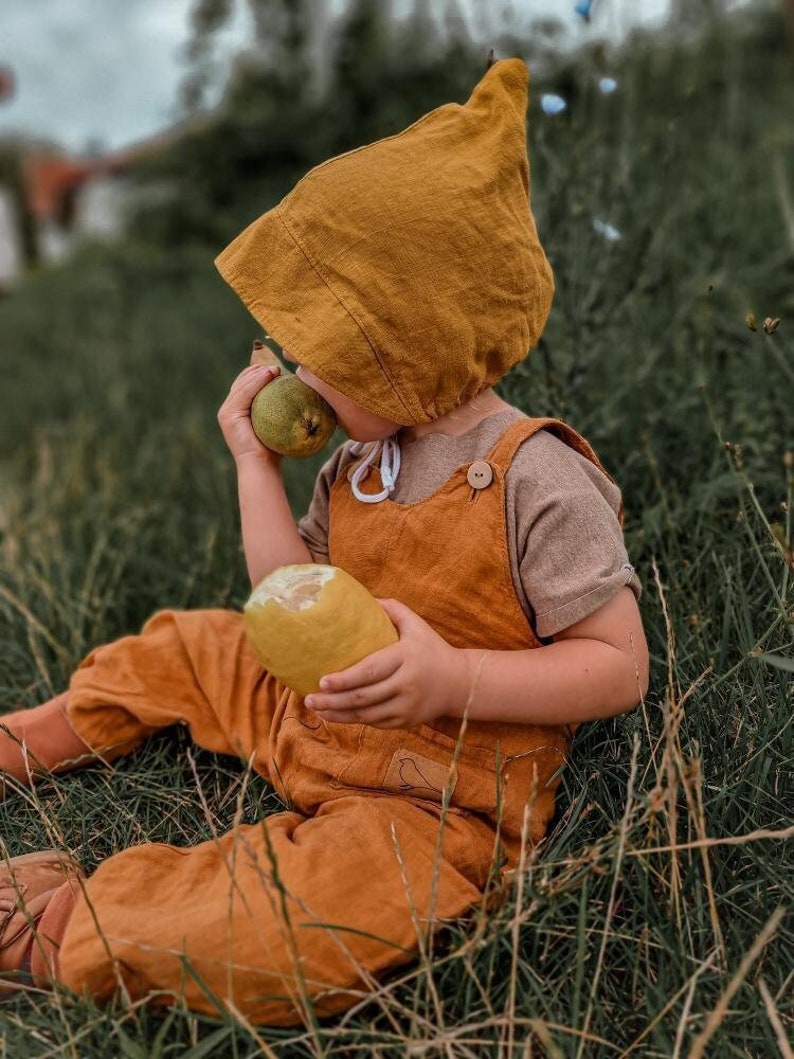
(653, 920)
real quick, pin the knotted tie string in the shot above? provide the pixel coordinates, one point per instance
(389, 450)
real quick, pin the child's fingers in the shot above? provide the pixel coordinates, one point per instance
(358, 698)
(248, 384)
(255, 376)
(382, 715)
(373, 669)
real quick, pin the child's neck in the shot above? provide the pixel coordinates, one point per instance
(459, 420)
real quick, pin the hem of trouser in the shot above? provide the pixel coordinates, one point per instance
(44, 963)
(101, 750)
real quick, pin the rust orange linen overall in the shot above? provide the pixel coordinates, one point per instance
(318, 900)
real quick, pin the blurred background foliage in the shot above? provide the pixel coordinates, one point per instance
(272, 124)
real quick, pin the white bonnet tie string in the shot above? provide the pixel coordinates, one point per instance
(389, 450)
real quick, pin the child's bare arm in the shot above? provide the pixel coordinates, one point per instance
(270, 535)
(597, 668)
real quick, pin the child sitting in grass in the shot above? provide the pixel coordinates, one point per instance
(405, 279)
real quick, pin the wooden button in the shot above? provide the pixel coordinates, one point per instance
(480, 474)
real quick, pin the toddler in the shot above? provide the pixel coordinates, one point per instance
(404, 279)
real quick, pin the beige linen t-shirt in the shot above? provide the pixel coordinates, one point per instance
(566, 548)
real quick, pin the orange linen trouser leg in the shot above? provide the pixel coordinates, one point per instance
(304, 908)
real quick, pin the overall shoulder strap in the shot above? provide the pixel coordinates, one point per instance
(501, 455)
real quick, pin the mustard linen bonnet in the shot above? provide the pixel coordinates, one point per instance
(408, 273)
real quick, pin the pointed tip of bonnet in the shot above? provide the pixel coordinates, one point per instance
(505, 81)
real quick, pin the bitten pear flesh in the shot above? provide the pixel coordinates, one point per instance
(307, 620)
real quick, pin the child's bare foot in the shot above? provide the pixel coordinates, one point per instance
(37, 895)
(39, 741)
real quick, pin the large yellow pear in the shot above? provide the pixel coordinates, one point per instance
(307, 620)
(288, 416)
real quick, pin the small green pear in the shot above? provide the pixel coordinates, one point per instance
(288, 416)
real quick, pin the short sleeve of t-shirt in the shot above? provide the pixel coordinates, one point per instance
(569, 544)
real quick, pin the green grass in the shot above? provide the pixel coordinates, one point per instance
(651, 922)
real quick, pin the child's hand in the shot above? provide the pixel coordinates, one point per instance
(411, 682)
(234, 415)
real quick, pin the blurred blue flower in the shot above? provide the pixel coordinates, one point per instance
(608, 232)
(583, 9)
(607, 85)
(552, 104)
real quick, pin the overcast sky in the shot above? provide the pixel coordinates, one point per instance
(107, 71)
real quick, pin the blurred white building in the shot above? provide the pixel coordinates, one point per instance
(10, 241)
(70, 200)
